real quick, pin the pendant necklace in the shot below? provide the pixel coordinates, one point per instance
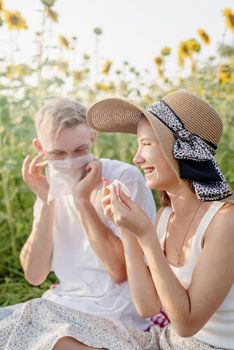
(179, 250)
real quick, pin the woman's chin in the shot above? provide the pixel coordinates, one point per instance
(151, 183)
(154, 183)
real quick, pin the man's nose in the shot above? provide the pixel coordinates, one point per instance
(70, 155)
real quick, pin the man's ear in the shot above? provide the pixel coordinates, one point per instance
(36, 143)
(93, 136)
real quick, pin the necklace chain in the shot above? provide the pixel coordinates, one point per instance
(179, 251)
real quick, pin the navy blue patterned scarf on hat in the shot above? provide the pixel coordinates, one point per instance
(195, 156)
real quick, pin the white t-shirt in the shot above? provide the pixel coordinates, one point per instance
(85, 284)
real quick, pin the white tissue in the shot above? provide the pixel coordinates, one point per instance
(123, 187)
(63, 175)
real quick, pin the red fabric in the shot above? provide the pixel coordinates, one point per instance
(161, 320)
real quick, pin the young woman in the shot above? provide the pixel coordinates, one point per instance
(190, 251)
(184, 263)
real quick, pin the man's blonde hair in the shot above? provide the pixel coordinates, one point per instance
(60, 113)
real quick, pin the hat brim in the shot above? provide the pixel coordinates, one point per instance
(120, 115)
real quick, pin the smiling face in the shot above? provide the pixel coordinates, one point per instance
(158, 173)
(69, 143)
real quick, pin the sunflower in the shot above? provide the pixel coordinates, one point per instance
(17, 71)
(183, 52)
(193, 67)
(161, 73)
(147, 99)
(186, 50)
(22, 70)
(102, 87)
(10, 71)
(62, 66)
(158, 60)
(48, 3)
(86, 56)
(166, 51)
(193, 45)
(225, 74)
(97, 31)
(1, 5)
(229, 15)
(181, 81)
(112, 87)
(204, 36)
(64, 43)
(106, 67)
(123, 88)
(80, 75)
(14, 20)
(51, 14)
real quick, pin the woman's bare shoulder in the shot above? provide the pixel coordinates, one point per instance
(225, 215)
(222, 225)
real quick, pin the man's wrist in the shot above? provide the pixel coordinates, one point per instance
(44, 202)
(82, 203)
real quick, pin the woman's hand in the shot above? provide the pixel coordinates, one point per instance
(124, 212)
(106, 204)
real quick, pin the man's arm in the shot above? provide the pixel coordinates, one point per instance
(36, 254)
(107, 246)
(105, 243)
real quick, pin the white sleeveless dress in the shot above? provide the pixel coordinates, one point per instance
(220, 328)
(39, 323)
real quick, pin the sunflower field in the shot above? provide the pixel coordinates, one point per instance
(51, 72)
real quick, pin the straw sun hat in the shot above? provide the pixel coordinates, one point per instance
(188, 130)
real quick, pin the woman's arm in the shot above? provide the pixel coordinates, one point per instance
(142, 288)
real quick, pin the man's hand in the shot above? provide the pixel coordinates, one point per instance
(33, 177)
(90, 182)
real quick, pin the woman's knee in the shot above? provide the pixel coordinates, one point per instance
(69, 343)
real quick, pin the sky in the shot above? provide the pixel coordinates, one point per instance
(133, 30)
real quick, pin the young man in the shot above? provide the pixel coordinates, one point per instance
(70, 234)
